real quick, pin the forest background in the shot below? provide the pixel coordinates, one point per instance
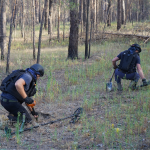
(75, 41)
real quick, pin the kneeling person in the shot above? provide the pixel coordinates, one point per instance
(129, 61)
(20, 90)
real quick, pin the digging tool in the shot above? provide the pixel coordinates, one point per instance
(109, 84)
(74, 118)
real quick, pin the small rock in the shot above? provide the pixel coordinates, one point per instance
(100, 145)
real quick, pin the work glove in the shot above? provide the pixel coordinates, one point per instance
(144, 82)
(28, 100)
(33, 92)
(34, 113)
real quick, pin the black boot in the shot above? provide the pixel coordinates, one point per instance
(119, 87)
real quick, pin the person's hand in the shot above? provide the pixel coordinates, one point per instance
(28, 100)
(35, 114)
(144, 82)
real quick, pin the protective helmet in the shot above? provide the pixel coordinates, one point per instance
(137, 46)
(38, 69)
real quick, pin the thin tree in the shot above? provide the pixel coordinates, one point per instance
(119, 15)
(50, 18)
(46, 17)
(22, 18)
(2, 27)
(39, 11)
(58, 26)
(33, 23)
(87, 30)
(64, 21)
(73, 37)
(123, 12)
(109, 13)
(10, 35)
(40, 34)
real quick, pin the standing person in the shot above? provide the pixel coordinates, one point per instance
(129, 61)
(18, 87)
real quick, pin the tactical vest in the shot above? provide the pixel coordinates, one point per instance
(128, 62)
(8, 85)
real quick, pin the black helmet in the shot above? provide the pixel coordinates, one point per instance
(38, 69)
(137, 46)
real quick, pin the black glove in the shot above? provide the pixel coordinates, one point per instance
(28, 100)
(144, 82)
(33, 92)
(34, 113)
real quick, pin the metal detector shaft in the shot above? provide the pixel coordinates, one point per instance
(76, 114)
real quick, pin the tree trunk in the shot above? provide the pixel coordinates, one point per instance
(2, 27)
(87, 30)
(81, 16)
(40, 34)
(39, 11)
(58, 26)
(13, 18)
(64, 21)
(119, 15)
(50, 19)
(73, 37)
(36, 11)
(46, 17)
(22, 19)
(123, 12)
(109, 13)
(33, 15)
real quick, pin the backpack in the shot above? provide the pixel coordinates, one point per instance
(11, 78)
(8, 85)
(128, 60)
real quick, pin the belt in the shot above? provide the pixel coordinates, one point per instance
(7, 100)
(125, 72)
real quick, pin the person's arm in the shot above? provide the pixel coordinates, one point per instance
(114, 62)
(140, 71)
(20, 87)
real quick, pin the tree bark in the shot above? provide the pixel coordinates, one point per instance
(64, 21)
(33, 15)
(22, 18)
(109, 13)
(119, 15)
(58, 26)
(123, 12)
(3, 28)
(73, 37)
(39, 11)
(46, 17)
(87, 30)
(50, 18)
(13, 18)
(36, 11)
(40, 34)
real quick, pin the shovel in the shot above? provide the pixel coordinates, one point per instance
(109, 84)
